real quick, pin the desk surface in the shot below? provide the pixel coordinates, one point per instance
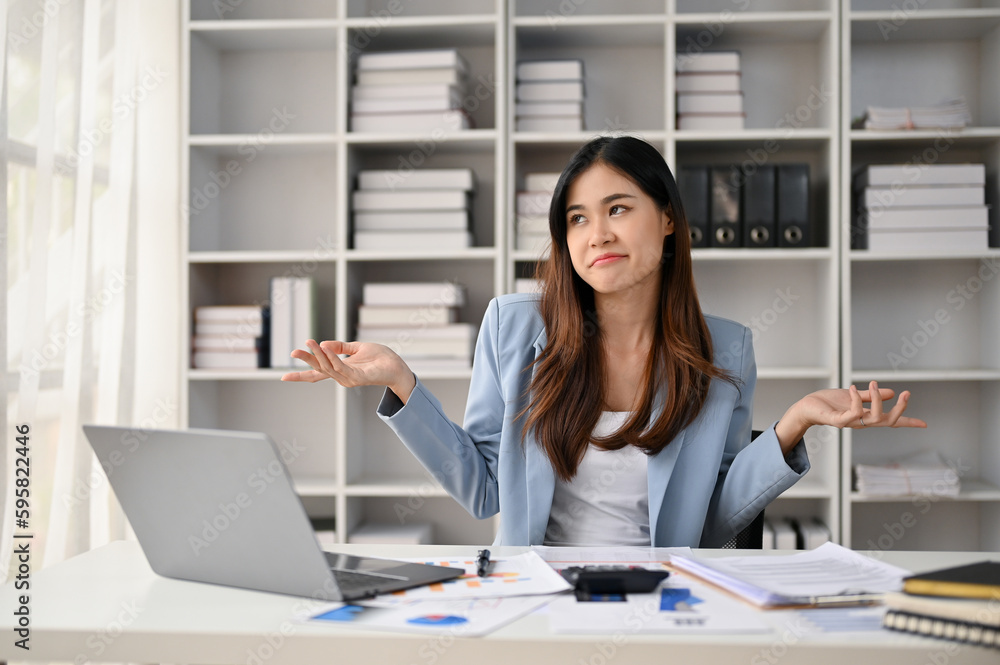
(107, 605)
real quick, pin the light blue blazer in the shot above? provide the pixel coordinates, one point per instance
(704, 487)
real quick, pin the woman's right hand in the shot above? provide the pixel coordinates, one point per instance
(365, 364)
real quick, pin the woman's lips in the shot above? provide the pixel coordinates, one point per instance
(605, 259)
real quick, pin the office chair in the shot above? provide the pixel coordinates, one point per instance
(752, 535)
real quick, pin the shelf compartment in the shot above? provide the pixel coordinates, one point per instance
(258, 10)
(249, 284)
(260, 81)
(729, 8)
(296, 416)
(747, 156)
(785, 308)
(787, 69)
(376, 456)
(450, 523)
(924, 316)
(924, 525)
(475, 42)
(962, 418)
(386, 11)
(896, 72)
(258, 198)
(558, 12)
(607, 49)
(414, 158)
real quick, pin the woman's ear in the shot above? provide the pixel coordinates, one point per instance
(668, 223)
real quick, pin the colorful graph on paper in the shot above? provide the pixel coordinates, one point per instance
(522, 575)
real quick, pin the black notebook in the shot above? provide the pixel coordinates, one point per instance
(975, 580)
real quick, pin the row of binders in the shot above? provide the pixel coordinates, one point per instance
(921, 207)
(419, 321)
(727, 206)
(419, 209)
(256, 336)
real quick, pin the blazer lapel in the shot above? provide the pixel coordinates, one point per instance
(659, 470)
(539, 476)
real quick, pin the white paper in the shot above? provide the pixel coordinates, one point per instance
(828, 570)
(522, 575)
(468, 617)
(680, 605)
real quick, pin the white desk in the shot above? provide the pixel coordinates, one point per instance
(107, 605)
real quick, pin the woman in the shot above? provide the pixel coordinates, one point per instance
(597, 413)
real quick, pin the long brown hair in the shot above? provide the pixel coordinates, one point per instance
(566, 394)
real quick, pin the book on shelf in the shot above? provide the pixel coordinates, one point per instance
(527, 285)
(912, 175)
(230, 337)
(709, 102)
(225, 359)
(926, 217)
(541, 182)
(710, 121)
(760, 218)
(952, 114)
(403, 105)
(425, 121)
(424, 76)
(413, 59)
(533, 224)
(409, 199)
(537, 243)
(550, 91)
(784, 534)
(547, 109)
(293, 318)
(534, 203)
(554, 123)
(393, 179)
(407, 91)
(922, 472)
(979, 580)
(373, 316)
(710, 82)
(549, 70)
(937, 240)
(405, 220)
(708, 61)
(454, 340)
(413, 240)
(431, 294)
(372, 533)
(877, 198)
(972, 621)
(692, 183)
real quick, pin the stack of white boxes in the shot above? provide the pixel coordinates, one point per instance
(709, 91)
(921, 207)
(549, 96)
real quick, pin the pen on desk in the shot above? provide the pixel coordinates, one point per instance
(483, 563)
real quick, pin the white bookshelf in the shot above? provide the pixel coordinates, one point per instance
(272, 81)
(890, 329)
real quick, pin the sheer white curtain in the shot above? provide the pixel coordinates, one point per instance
(91, 140)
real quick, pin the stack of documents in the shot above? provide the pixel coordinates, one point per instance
(951, 114)
(922, 473)
(828, 575)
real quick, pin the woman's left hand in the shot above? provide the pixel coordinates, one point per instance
(840, 407)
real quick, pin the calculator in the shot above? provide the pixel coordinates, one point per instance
(596, 580)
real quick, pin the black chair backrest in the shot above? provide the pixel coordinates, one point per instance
(752, 535)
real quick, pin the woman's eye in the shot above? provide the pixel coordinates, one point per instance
(576, 219)
(618, 209)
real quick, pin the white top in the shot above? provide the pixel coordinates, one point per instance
(606, 502)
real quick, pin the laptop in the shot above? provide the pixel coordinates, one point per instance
(218, 506)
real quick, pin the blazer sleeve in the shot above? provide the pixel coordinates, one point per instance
(463, 460)
(752, 473)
